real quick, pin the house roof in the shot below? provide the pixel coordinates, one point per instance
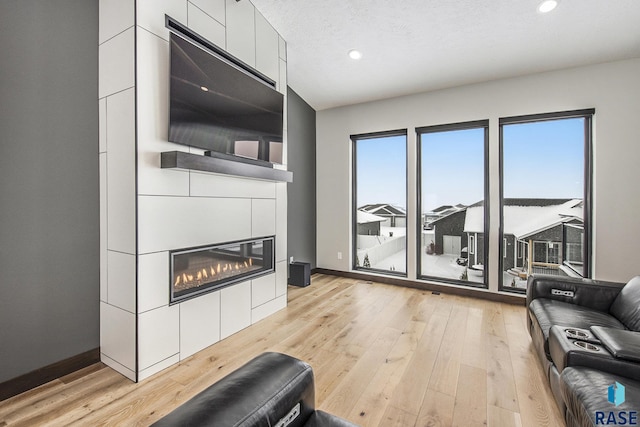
(525, 217)
(534, 202)
(549, 217)
(442, 208)
(383, 209)
(447, 216)
(366, 217)
(445, 210)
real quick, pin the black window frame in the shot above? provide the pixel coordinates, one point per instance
(565, 250)
(354, 199)
(476, 124)
(588, 116)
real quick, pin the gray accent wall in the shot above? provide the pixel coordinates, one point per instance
(49, 188)
(301, 193)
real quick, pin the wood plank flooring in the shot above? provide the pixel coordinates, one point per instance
(382, 356)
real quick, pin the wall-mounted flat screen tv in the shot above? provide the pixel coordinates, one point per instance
(218, 107)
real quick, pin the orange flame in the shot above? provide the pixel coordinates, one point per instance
(204, 274)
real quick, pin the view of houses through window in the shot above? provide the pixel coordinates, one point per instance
(544, 160)
(380, 200)
(452, 194)
(543, 210)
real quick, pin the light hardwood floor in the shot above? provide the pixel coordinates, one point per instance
(382, 356)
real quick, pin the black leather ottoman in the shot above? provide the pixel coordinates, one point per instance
(586, 391)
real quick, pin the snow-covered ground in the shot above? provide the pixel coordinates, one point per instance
(396, 262)
(443, 266)
(511, 281)
(397, 231)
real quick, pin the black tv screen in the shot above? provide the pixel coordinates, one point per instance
(217, 107)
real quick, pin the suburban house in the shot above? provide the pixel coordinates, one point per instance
(450, 236)
(368, 223)
(393, 216)
(534, 235)
(440, 212)
(375, 245)
(142, 259)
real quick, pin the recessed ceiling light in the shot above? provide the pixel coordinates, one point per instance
(547, 6)
(355, 54)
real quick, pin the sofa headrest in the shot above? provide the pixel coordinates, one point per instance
(626, 306)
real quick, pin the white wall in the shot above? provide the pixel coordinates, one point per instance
(147, 211)
(613, 89)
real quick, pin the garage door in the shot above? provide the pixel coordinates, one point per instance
(451, 245)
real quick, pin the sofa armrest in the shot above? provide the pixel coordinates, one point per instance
(261, 393)
(565, 353)
(595, 294)
(622, 344)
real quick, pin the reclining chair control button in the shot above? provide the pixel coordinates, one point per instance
(562, 293)
(292, 415)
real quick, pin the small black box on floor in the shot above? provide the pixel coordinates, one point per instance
(300, 274)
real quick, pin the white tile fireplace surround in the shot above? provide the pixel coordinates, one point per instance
(146, 211)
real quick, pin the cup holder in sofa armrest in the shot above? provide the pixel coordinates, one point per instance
(622, 344)
(576, 333)
(566, 351)
(587, 346)
(581, 335)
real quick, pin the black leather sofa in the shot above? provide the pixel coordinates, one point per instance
(272, 390)
(586, 334)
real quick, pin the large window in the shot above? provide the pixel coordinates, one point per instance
(452, 209)
(545, 196)
(380, 201)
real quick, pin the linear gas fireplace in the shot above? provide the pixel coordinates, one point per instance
(196, 271)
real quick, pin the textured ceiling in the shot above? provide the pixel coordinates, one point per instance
(412, 46)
